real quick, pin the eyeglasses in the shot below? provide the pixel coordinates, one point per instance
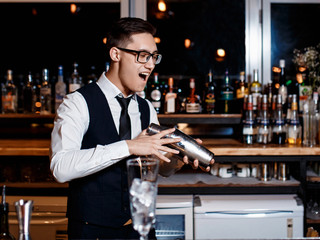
(144, 56)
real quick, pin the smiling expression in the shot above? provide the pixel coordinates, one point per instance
(125, 71)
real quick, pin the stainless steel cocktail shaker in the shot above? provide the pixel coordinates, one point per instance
(24, 211)
(187, 146)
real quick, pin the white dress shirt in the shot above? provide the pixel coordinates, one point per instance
(68, 162)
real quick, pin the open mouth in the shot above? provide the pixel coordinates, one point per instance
(144, 76)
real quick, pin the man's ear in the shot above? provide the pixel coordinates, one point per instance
(114, 54)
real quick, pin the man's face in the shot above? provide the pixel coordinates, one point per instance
(132, 74)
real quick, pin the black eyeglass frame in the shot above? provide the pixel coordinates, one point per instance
(158, 60)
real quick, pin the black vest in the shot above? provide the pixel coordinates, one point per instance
(102, 198)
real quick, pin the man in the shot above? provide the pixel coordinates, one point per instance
(90, 144)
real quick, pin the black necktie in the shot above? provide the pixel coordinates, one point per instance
(125, 125)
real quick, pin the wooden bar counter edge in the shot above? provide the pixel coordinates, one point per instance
(220, 147)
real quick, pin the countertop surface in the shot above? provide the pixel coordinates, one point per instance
(220, 147)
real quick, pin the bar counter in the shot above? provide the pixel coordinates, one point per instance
(220, 147)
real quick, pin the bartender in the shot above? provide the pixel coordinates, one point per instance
(99, 126)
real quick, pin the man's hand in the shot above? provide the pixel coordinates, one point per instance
(144, 144)
(195, 163)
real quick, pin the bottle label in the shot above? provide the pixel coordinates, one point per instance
(193, 108)
(155, 95)
(226, 95)
(170, 102)
(284, 93)
(265, 122)
(249, 130)
(304, 93)
(279, 122)
(8, 102)
(45, 91)
(255, 100)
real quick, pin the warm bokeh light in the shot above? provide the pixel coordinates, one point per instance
(299, 78)
(221, 52)
(157, 40)
(302, 69)
(34, 12)
(162, 6)
(73, 8)
(104, 40)
(276, 69)
(187, 43)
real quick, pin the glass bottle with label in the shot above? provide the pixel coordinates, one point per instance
(60, 89)
(242, 88)
(209, 96)
(4, 220)
(155, 93)
(193, 104)
(45, 93)
(283, 90)
(294, 129)
(255, 89)
(226, 94)
(29, 95)
(170, 102)
(9, 95)
(249, 127)
(279, 128)
(264, 129)
(75, 81)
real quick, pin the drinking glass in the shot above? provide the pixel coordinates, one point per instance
(142, 180)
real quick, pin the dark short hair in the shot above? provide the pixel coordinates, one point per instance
(122, 30)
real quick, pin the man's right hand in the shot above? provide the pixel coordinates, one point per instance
(145, 144)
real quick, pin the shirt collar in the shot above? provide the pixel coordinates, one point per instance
(109, 89)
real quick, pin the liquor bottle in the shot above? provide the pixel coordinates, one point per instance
(269, 92)
(193, 104)
(28, 95)
(75, 81)
(279, 128)
(288, 113)
(4, 220)
(255, 89)
(242, 88)
(92, 77)
(60, 89)
(226, 94)
(283, 90)
(305, 89)
(107, 66)
(170, 102)
(45, 93)
(294, 129)
(155, 93)
(37, 99)
(9, 95)
(249, 127)
(209, 96)
(264, 127)
(19, 83)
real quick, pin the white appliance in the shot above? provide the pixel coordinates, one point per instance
(248, 217)
(174, 217)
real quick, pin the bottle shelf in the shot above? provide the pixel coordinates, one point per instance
(228, 119)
